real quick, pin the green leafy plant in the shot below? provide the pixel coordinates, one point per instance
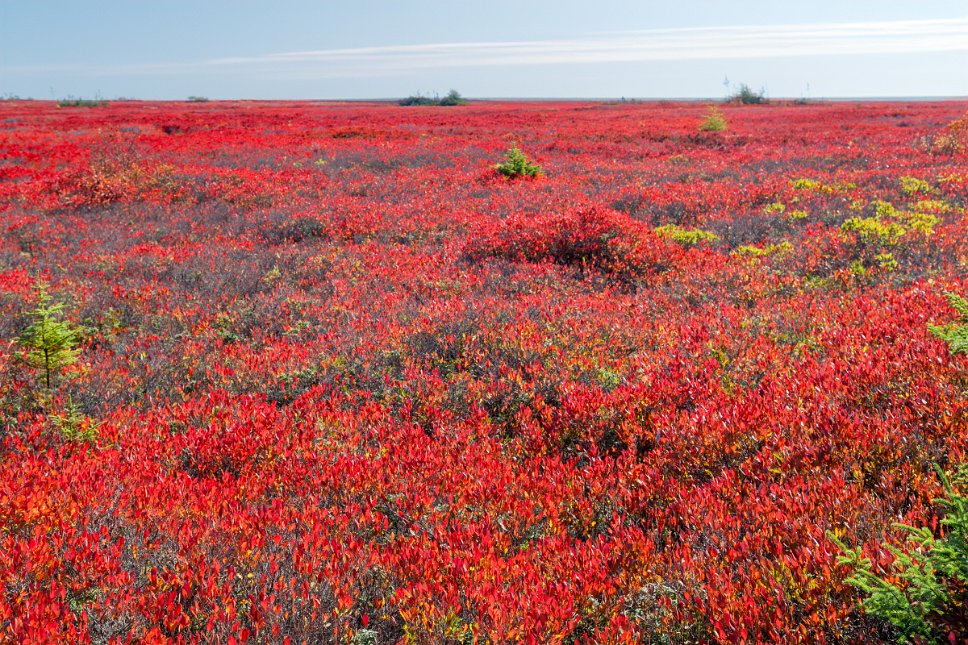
(955, 334)
(926, 598)
(517, 164)
(50, 343)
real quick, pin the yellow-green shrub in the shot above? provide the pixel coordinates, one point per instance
(873, 229)
(688, 237)
(762, 251)
(911, 185)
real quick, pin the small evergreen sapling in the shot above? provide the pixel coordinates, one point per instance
(73, 425)
(714, 121)
(50, 343)
(517, 164)
(931, 602)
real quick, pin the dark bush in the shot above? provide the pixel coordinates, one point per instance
(746, 95)
(453, 98)
(74, 102)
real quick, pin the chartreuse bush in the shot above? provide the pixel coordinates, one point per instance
(932, 206)
(807, 184)
(810, 184)
(886, 261)
(763, 251)
(912, 185)
(888, 225)
(874, 230)
(684, 236)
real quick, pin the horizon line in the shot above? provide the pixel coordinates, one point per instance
(513, 99)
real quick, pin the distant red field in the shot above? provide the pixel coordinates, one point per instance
(334, 378)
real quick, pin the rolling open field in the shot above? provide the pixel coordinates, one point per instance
(333, 378)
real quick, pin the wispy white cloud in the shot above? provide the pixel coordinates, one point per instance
(759, 41)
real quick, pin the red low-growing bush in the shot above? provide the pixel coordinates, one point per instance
(589, 237)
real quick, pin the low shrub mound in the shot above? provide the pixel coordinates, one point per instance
(592, 237)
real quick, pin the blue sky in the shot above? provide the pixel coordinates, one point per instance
(301, 49)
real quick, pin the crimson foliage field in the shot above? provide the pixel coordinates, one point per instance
(342, 381)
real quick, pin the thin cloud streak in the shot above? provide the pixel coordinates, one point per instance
(760, 41)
